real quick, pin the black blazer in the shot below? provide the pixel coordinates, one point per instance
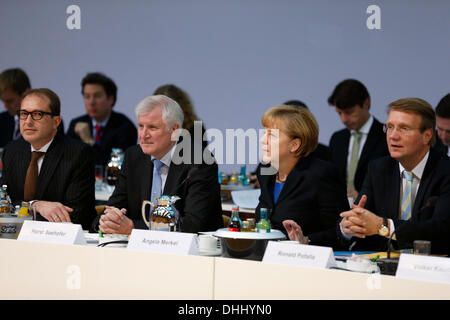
(430, 219)
(313, 196)
(7, 124)
(66, 176)
(120, 132)
(374, 147)
(199, 207)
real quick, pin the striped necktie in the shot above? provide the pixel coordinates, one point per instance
(407, 196)
(98, 134)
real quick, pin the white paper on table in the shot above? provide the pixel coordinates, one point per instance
(246, 198)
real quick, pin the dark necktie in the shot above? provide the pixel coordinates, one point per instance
(98, 134)
(32, 175)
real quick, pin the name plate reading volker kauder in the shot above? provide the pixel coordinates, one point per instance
(51, 232)
(427, 268)
(163, 242)
(294, 254)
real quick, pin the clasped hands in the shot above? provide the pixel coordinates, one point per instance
(359, 222)
(114, 220)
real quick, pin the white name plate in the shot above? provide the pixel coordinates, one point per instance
(428, 268)
(63, 233)
(299, 255)
(163, 242)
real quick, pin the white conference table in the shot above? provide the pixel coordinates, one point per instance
(55, 271)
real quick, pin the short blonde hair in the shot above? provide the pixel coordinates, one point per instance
(420, 107)
(296, 123)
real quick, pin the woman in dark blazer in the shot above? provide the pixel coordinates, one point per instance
(300, 191)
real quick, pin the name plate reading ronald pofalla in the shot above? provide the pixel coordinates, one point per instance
(299, 255)
(163, 242)
(419, 267)
(51, 232)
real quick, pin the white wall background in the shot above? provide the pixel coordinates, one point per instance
(236, 58)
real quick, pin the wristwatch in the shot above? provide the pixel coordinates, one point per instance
(384, 228)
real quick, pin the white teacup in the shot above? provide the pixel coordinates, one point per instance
(207, 243)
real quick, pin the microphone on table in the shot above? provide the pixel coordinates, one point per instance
(189, 175)
(431, 202)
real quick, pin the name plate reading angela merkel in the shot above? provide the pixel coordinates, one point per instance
(163, 242)
(295, 254)
(51, 232)
(427, 268)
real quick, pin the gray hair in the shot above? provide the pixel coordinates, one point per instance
(171, 110)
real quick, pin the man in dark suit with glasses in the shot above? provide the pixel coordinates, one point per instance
(54, 173)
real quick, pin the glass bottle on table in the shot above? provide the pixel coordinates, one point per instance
(113, 167)
(263, 224)
(235, 223)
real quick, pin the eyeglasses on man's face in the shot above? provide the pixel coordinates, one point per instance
(35, 114)
(389, 128)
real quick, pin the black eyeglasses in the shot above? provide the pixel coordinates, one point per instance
(35, 115)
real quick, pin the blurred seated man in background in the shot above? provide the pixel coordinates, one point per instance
(443, 125)
(101, 127)
(13, 84)
(362, 140)
(153, 168)
(54, 173)
(295, 185)
(407, 192)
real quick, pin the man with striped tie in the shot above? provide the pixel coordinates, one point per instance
(406, 195)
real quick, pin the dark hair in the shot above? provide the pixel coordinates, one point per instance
(296, 103)
(420, 107)
(98, 78)
(14, 79)
(55, 104)
(183, 99)
(348, 94)
(443, 107)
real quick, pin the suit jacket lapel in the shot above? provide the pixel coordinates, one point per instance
(427, 176)
(392, 189)
(23, 165)
(294, 178)
(51, 161)
(145, 172)
(343, 155)
(173, 177)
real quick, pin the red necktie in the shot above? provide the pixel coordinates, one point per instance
(98, 134)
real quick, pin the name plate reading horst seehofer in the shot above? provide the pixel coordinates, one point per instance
(427, 268)
(293, 254)
(163, 242)
(51, 232)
